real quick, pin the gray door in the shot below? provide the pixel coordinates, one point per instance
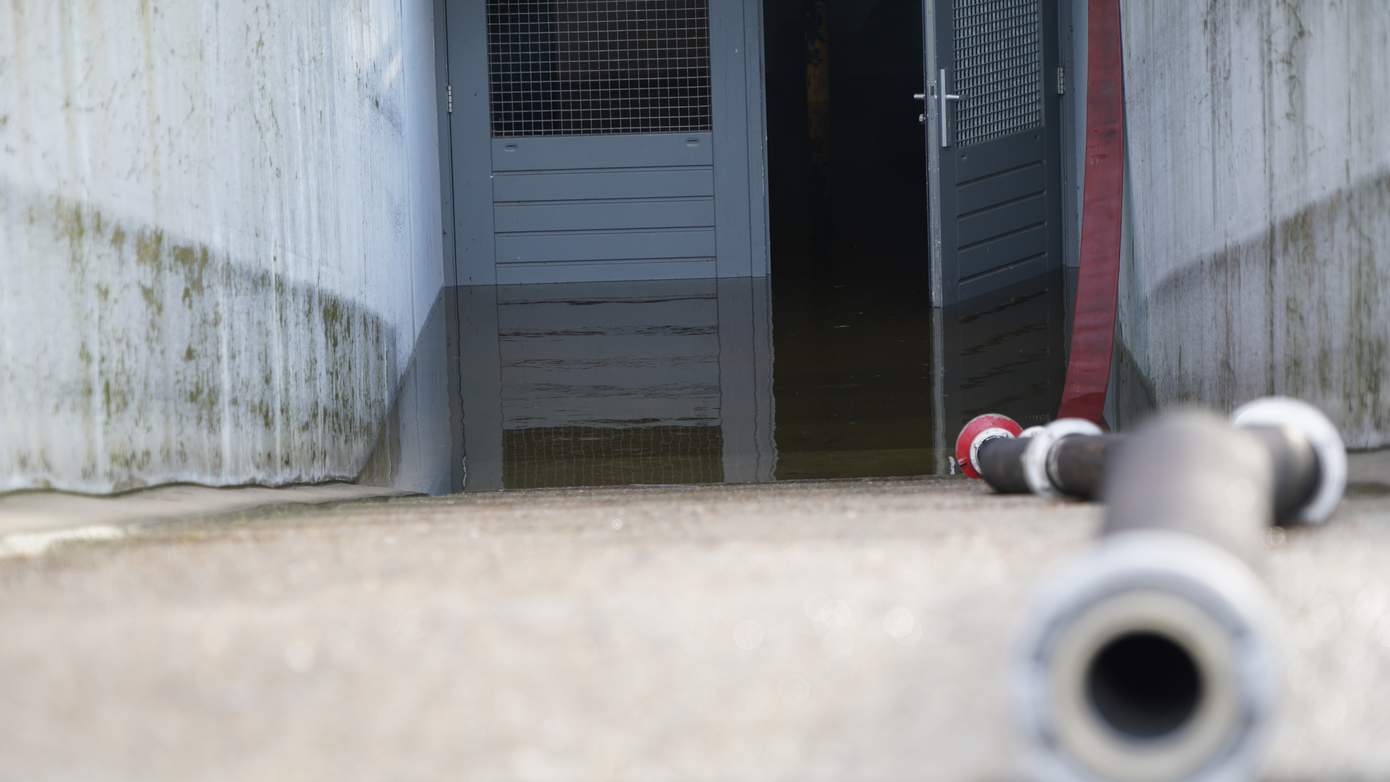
(606, 140)
(993, 110)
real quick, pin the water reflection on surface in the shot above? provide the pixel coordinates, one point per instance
(704, 381)
(615, 383)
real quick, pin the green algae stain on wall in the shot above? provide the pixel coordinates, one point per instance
(193, 366)
(167, 232)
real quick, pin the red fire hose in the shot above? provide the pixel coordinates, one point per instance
(1093, 324)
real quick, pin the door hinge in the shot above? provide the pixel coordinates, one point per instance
(1061, 80)
(449, 92)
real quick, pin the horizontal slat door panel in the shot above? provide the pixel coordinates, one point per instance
(1010, 186)
(604, 207)
(590, 356)
(600, 271)
(1002, 220)
(555, 153)
(662, 315)
(589, 185)
(674, 407)
(991, 255)
(600, 246)
(609, 378)
(585, 295)
(996, 158)
(584, 379)
(619, 349)
(605, 215)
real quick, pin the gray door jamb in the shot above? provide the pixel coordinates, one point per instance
(471, 138)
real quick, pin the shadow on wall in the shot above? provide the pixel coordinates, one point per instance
(413, 449)
(1299, 310)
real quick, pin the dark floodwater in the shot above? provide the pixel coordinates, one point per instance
(704, 381)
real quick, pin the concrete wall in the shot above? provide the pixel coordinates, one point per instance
(1258, 207)
(219, 236)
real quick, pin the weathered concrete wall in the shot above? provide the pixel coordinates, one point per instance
(219, 236)
(1258, 207)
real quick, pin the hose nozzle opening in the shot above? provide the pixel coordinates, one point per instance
(1148, 659)
(1144, 685)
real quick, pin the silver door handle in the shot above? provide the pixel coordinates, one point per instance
(943, 97)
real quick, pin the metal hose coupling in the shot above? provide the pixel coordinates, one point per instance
(1152, 657)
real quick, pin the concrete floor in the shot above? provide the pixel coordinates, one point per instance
(32, 521)
(835, 631)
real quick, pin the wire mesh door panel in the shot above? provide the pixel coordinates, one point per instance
(582, 67)
(998, 63)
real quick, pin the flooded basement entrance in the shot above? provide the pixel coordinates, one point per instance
(835, 367)
(738, 381)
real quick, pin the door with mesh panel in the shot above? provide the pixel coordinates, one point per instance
(994, 144)
(615, 138)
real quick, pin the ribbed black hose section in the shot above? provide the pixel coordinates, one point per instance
(1001, 464)
(1077, 463)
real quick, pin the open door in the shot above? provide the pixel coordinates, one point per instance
(993, 144)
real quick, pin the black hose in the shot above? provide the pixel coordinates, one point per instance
(1076, 463)
(1001, 464)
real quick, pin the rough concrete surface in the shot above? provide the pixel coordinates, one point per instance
(220, 236)
(1257, 208)
(836, 631)
(31, 522)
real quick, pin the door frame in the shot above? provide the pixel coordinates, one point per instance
(743, 238)
(470, 129)
(446, 147)
(933, 142)
(740, 149)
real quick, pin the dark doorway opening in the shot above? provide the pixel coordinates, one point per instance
(849, 225)
(846, 152)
